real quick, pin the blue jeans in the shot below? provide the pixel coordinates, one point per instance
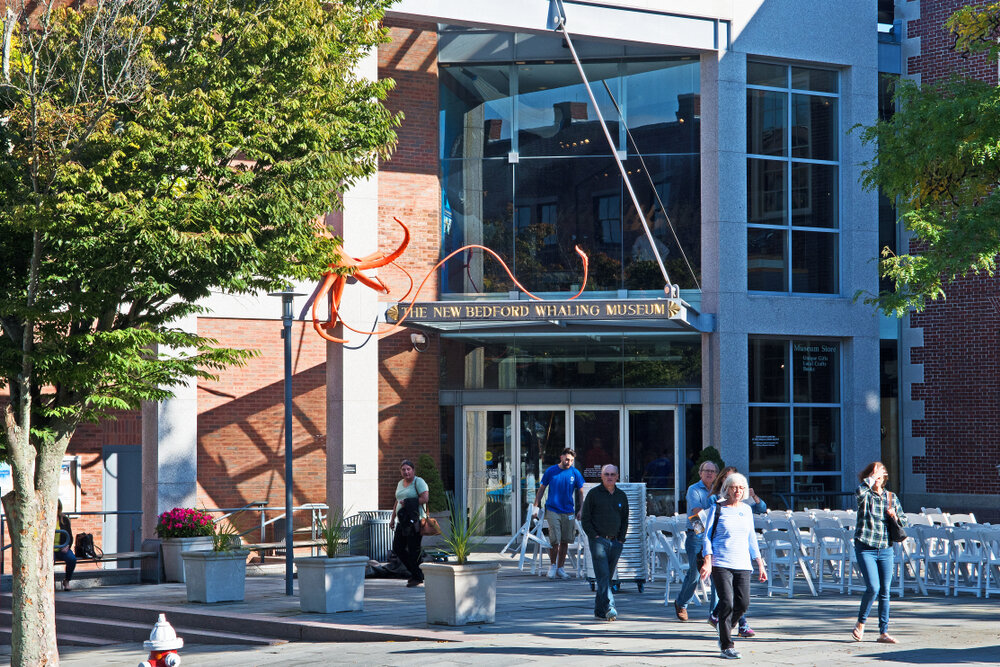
(69, 558)
(604, 553)
(693, 547)
(876, 569)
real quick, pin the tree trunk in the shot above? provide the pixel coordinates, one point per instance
(31, 512)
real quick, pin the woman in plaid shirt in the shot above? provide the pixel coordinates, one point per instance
(872, 546)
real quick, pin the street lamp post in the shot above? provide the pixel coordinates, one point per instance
(287, 295)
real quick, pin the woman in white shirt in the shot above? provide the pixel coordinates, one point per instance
(412, 495)
(730, 546)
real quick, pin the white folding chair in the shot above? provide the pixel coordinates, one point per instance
(936, 516)
(968, 560)
(935, 546)
(781, 562)
(990, 538)
(963, 519)
(830, 549)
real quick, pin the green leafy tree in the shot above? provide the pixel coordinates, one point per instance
(939, 159)
(153, 152)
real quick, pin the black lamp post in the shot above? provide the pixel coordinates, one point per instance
(287, 295)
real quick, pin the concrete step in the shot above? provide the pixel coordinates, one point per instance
(97, 630)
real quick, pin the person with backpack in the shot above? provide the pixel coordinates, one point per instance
(64, 552)
(412, 495)
(730, 545)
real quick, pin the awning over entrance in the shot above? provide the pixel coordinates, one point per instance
(521, 316)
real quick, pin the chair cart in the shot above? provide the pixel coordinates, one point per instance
(633, 564)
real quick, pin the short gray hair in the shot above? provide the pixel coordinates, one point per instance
(734, 479)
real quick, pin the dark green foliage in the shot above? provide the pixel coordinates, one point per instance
(427, 469)
(707, 454)
(939, 159)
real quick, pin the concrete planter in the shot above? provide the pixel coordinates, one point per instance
(215, 576)
(329, 585)
(460, 594)
(173, 547)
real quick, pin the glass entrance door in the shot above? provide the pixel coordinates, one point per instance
(597, 440)
(541, 440)
(652, 458)
(489, 461)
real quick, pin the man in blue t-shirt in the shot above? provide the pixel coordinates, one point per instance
(565, 485)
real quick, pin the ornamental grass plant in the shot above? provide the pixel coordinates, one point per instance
(184, 522)
(466, 530)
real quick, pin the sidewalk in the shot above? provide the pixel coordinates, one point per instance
(544, 621)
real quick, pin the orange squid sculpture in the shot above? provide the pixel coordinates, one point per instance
(334, 281)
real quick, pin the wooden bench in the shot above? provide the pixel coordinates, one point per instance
(263, 547)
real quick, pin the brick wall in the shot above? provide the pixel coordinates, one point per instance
(241, 444)
(409, 189)
(961, 351)
(937, 59)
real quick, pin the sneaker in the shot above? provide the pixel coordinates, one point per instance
(612, 615)
(562, 574)
(731, 654)
(713, 620)
(552, 572)
(681, 612)
(747, 631)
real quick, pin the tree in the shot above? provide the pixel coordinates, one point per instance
(427, 467)
(152, 152)
(939, 158)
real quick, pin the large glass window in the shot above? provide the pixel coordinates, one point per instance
(792, 179)
(595, 362)
(527, 171)
(795, 421)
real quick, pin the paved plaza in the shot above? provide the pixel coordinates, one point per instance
(548, 621)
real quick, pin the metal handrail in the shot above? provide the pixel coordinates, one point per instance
(318, 513)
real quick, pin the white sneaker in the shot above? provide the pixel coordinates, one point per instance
(552, 572)
(563, 574)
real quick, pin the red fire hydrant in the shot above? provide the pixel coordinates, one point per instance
(162, 645)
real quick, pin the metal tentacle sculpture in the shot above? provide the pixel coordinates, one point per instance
(332, 286)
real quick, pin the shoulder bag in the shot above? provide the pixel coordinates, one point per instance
(893, 528)
(715, 522)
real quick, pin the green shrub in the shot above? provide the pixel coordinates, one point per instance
(428, 471)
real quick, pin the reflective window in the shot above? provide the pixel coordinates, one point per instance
(793, 145)
(595, 362)
(795, 421)
(527, 171)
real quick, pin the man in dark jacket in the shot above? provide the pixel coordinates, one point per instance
(605, 521)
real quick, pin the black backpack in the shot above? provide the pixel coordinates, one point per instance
(85, 547)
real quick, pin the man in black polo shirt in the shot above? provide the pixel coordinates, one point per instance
(605, 521)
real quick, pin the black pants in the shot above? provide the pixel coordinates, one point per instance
(407, 549)
(733, 588)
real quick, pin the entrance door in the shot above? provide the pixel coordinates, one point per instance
(597, 438)
(489, 467)
(652, 458)
(541, 439)
(122, 493)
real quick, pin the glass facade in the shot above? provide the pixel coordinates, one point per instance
(795, 420)
(569, 362)
(792, 179)
(526, 171)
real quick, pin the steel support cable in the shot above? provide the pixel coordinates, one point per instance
(670, 289)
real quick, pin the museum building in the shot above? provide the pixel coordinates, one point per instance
(727, 127)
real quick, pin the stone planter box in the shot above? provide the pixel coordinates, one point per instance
(329, 585)
(173, 547)
(215, 576)
(460, 594)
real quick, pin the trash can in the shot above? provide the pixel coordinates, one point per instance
(379, 534)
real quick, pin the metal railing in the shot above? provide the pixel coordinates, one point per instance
(366, 533)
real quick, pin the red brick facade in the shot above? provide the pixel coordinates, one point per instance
(961, 351)
(409, 189)
(241, 444)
